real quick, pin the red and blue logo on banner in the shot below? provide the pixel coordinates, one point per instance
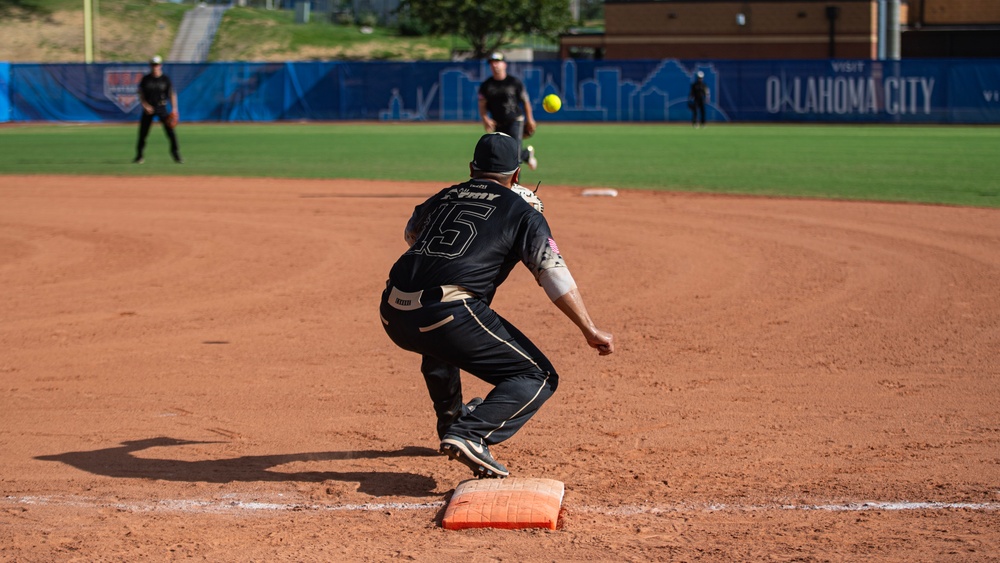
(121, 86)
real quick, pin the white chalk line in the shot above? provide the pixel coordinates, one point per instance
(210, 506)
(844, 507)
(230, 506)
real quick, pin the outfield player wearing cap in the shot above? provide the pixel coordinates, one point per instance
(155, 90)
(504, 106)
(464, 242)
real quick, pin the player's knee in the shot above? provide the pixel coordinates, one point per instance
(553, 381)
(540, 384)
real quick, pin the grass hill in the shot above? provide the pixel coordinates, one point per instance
(132, 30)
(126, 30)
(273, 35)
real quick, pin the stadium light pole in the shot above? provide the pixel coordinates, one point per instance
(96, 33)
(88, 32)
(893, 31)
(881, 30)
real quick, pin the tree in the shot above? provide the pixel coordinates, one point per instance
(490, 24)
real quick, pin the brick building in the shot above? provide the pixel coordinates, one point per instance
(784, 29)
(952, 28)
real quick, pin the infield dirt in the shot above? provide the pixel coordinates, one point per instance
(195, 368)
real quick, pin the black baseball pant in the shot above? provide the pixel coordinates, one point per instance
(468, 335)
(697, 109)
(146, 122)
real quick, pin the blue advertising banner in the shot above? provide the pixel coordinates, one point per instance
(839, 91)
(834, 91)
(974, 96)
(4, 92)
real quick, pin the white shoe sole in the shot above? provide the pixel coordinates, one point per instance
(459, 451)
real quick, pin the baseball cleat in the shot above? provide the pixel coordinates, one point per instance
(475, 455)
(532, 161)
(138, 160)
(444, 424)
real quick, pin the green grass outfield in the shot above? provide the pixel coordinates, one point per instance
(947, 164)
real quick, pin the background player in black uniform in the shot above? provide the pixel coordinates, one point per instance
(504, 107)
(155, 90)
(696, 99)
(464, 242)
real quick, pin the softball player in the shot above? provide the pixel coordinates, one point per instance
(504, 107)
(155, 90)
(464, 242)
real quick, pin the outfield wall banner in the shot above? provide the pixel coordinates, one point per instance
(4, 92)
(821, 91)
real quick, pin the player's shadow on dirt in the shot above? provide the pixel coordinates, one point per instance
(121, 462)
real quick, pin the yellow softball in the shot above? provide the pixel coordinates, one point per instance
(551, 103)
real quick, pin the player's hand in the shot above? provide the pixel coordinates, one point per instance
(602, 341)
(148, 109)
(529, 127)
(489, 124)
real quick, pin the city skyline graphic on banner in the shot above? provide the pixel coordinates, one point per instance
(660, 96)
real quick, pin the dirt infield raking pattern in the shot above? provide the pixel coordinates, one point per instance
(196, 369)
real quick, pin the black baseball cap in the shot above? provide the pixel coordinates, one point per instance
(497, 152)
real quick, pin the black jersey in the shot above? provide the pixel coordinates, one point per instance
(699, 91)
(155, 89)
(472, 235)
(503, 98)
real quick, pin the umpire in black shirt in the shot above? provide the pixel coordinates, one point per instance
(155, 90)
(697, 97)
(464, 242)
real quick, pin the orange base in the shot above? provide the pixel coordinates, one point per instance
(504, 503)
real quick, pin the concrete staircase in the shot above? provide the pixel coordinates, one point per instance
(195, 36)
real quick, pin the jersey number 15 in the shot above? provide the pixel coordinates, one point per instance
(451, 229)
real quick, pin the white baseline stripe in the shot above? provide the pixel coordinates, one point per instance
(845, 507)
(208, 506)
(224, 506)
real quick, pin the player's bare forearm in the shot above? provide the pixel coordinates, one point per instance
(572, 305)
